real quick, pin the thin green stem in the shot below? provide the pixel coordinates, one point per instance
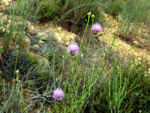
(82, 43)
(62, 72)
(16, 63)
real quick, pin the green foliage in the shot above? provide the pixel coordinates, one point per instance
(54, 59)
(114, 8)
(125, 89)
(138, 91)
(140, 96)
(69, 13)
(1, 49)
(29, 60)
(49, 9)
(24, 63)
(14, 31)
(30, 57)
(138, 11)
(126, 92)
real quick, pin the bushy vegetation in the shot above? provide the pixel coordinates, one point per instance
(28, 81)
(125, 90)
(114, 8)
(68, 13)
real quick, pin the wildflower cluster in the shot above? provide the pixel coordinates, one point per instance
(73, 49)
(96, 28)
(58, 94)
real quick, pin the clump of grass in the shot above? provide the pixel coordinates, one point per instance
(49, 10)
(123, 90)
(69, 14)
(19, 13)
(135, 13)
(24, 62)
(114, 7)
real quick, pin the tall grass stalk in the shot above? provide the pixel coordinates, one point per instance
(82, 42)
(16, 63)
(117, 91)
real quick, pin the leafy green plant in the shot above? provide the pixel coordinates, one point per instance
(74, 13)
(137, 92)
(24, 62)
(135, 13)
(114, 7)
(126, 89)
(69, 13)
(49, 9)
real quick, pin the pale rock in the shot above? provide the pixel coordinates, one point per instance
(9, 21)
(72, 36)
(57, 37)
(3, 19)
(32, 31)
(35, 47)
(39, 34)
(46, 25)
(59, 29)
(44, 61)
(42, 35)
(0, 72)
(27, 40)
(67, 43)
(4, 2)
(29, 25)
(136, 43)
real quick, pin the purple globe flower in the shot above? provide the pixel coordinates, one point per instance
(97, 28)
(58, 94)
(73, 48)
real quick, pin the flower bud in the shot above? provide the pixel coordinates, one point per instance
(41, 42)
(89, 13)
(93, 16)
(17, 72)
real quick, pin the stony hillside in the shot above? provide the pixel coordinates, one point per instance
(49, 33)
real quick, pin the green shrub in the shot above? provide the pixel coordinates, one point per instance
(113, 8)
(130, 90)
(69, 13)
(29, 60)
(138, 92)
(49, 9)
(138, 11)
(24, 63)
(18, 14)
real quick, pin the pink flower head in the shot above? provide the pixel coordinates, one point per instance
(58, 94)
(73, 48)
(96, 28)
